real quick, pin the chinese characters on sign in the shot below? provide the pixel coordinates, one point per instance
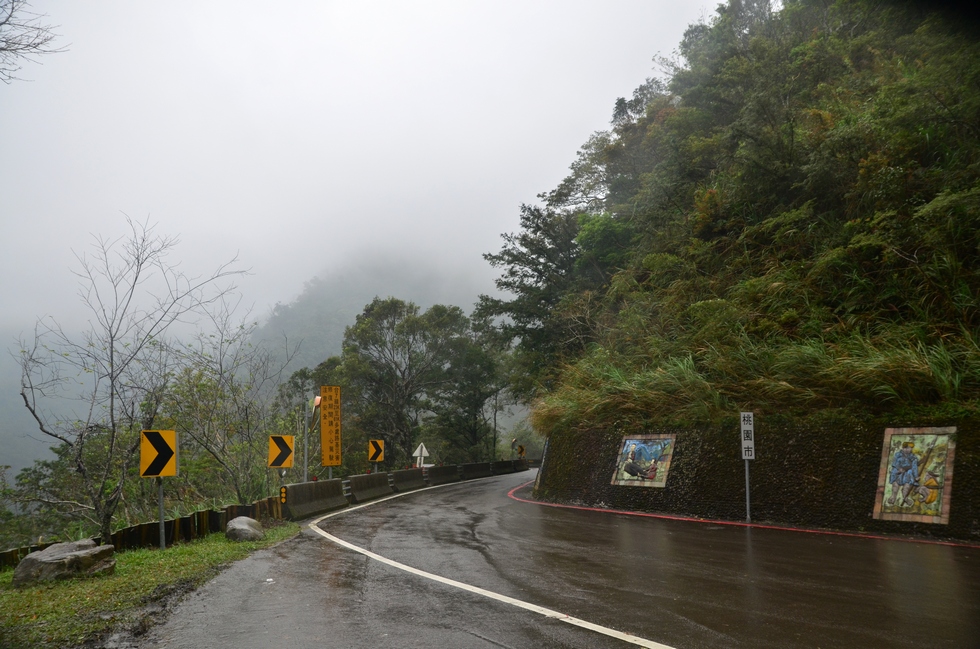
(330, 425)
(747, 440)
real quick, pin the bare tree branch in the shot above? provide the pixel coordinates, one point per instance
(23, 36)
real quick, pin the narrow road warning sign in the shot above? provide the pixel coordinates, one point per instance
(376, 450)
(158, 453)
(281, 451)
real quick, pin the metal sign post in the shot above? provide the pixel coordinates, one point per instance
(158, 458)
(306, 440)
(747, 442)
(163, 527)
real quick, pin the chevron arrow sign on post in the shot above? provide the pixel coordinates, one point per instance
(376, 450)
(158, 453)
(281, 451)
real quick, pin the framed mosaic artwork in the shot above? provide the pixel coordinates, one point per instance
(644, 460)
(915, 478)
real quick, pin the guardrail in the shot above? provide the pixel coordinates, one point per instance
(303, 500)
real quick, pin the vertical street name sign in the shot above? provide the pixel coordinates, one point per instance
(158, 453)
(747, 435)
(330, 426)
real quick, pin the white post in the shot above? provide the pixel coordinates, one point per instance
(306, 441)
(747, 443)
(748, 508)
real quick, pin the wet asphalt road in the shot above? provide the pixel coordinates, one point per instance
(683, 584)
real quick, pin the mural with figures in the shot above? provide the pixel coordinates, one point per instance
(915, 478)
(644, 460)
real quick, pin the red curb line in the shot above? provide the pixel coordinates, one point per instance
(780, 528)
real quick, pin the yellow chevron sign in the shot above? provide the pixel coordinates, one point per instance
(158, 453)
(376, 450)
(281, 451)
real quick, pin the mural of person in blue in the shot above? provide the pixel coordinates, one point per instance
(904, 475)
(640, 460)
(644, 460)
(631, 462)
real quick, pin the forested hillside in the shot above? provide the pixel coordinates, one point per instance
(316, 319)
(787, 221)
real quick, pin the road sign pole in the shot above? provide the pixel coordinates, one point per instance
(747, 443)
(163, 527)
(306, 440)
(748, 507)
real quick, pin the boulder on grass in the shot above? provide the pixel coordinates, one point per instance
(64, 561)
(244, 528)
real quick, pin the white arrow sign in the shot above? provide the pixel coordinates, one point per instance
(420, 453)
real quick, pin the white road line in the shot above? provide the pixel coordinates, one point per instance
(625, 637)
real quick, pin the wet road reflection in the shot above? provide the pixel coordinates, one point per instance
(690, 584)
(687, 585)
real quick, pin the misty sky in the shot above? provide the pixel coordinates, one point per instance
(302, 135)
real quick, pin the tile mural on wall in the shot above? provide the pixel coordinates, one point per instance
(644, 460)
(915, 478)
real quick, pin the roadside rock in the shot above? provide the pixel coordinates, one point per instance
(244, 528)
(64, 561)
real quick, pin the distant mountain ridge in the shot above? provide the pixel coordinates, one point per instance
(331, 302)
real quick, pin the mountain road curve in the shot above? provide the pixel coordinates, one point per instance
(465, 566)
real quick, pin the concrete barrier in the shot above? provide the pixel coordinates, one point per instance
(503, 466)
(408, 479)
(522, 465)
(443, 474)
(476, 470)
(306, 499)
(369, 486)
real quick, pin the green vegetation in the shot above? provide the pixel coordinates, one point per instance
(407, 376)
(788, 222)
(72, 613)
(410, 376)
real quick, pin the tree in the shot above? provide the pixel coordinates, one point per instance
(460, 405)
(23, 36)
(222, 402)
(539, 266)
(93, 392)
(394, 358)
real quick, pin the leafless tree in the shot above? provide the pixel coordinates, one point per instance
(225, 398)
(23, 36)
(93, 392)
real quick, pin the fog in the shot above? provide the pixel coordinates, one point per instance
(301, 137)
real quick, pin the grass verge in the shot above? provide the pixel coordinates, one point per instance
(80, 612)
